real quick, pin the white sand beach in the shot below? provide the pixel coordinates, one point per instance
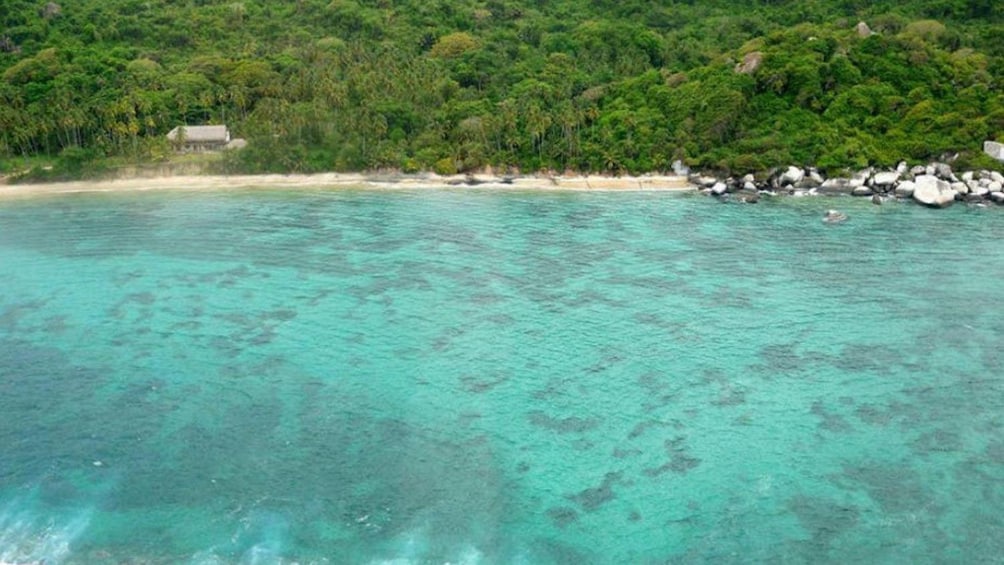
(354, 180)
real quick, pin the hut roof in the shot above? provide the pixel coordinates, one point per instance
(205, 134)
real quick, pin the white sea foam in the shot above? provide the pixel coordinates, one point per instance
(206, 557)
(30, 536)
(262, 533)
(414, 547)
(469, 555)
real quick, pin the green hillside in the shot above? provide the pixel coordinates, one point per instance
(599, 85)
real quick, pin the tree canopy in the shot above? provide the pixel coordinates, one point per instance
(458, 85)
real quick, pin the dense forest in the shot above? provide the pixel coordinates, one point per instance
(612, 86)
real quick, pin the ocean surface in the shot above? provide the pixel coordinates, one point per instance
(468, 376)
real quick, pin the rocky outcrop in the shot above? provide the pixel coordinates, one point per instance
(934, 184)
(751, 62)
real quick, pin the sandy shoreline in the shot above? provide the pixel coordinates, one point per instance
(353, 180)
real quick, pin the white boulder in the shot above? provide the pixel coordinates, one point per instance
(793, 175)
(977, 188)
(836, 185)
(885, 179)
(929, 190)
(994, 149)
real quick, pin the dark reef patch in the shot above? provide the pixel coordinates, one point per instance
(592, 498)
(729, 395)
(872, 415)
(643, 427)
(828, 420)
(937, 441)
(781, 358)
(653, 382)
(894, 487)
(562, 516)
(680, 462)
(822, 518)
(571, 424)
(867, 358)
(480, 385)
(12, 315)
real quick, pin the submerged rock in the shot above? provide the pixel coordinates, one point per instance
(932, 191)
(834, 217)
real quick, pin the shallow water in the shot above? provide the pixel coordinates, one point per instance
(498, 377)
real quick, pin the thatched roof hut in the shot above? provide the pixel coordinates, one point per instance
(199, 138)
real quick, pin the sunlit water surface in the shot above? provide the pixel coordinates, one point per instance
(498, 377)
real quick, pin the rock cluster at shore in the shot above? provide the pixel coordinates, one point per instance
(934, 185)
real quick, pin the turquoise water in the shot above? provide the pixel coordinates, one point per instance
(498, 377)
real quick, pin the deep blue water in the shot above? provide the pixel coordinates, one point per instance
(498, 377)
